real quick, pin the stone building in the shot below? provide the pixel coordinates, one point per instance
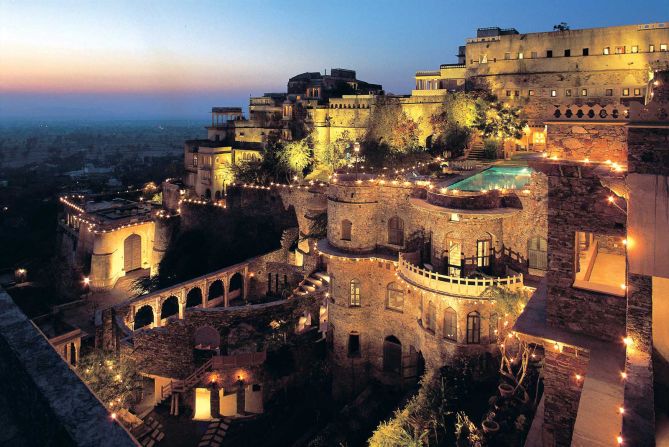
(600, 313)
(108, 238)
(401, 260)
(544, 70)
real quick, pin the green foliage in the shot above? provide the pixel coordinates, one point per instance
(497, 120)
(332, 156)
(296, 156)
(390, 127)
(318, 227)
(227, 174)
(490, 148)
(269, 169)
(116, 382)
(508, 303)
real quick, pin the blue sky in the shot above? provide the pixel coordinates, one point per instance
(166, 59)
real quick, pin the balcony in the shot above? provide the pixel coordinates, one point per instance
(452, 285)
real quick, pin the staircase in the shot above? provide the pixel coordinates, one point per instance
(476, 153)
(180, 386)
(315, 282)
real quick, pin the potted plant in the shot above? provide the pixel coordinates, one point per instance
(505, 390)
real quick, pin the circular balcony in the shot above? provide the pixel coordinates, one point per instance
(452, 285)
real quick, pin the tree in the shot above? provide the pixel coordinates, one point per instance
(115, 381)
(296, 156)
(227, 176)
(391, 127)
(453, 123)
(562, 26)
(332, 156)
(499, 121)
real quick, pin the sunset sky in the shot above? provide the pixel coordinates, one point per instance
(166, 59)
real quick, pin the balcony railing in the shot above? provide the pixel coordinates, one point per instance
(453, 285)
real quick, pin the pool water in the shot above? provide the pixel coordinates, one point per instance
(496, 177)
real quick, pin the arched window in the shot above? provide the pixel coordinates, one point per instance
(396, 231)
(346, 227)
(431, 316)
(537, 253)
(451, 324)
(494, 327)
(169, 307)
(354, 297)
(473, 328)
(394, 297)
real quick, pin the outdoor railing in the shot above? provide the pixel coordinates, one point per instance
(453, 285)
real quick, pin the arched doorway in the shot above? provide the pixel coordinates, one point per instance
(132, 253)
(217, 195)
(144, 317)
(170, 307)
(194, 297)
(392, 355)
(215, 290)
(236, 286)
(73, 354)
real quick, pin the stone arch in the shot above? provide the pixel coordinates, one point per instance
(144, 317)
(392, 355)
(194, 297)
(73, 355)
(216, 289)
(236, 286)
(217, 195)
(207, 337)
(169, 307)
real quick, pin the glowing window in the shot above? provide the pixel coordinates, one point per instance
(450, 324)
(354, 294)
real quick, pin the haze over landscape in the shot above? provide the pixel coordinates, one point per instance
(174, 60)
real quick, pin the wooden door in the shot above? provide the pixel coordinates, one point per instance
(132, 253)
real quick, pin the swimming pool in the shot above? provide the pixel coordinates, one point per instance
(496, 177)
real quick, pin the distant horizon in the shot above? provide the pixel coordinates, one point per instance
(159, 60)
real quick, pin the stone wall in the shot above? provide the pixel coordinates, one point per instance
(562, 393)
(578, 202)
(44, 397)
(596, 142)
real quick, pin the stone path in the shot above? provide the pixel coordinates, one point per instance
(215, 433)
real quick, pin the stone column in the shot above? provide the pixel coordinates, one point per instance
(182, 304)
(245, 282)
(226, 286)
(156, 312)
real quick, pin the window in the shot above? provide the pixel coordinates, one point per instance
(454, 261)
(507, 56)
(396, 231)
(346, 226)
(483, 253)
(520, 56)
(530, 93)
(584, 92)
(637, 92)
(635, 48)
(494, 327)
(516, 93)
(626, 92)
(549, 53)
(195, 160)
(620, 50)
(533, 54)
(537, 253)
(508, 93)
(586, 51)
(451, 324)
(609, 92)
(431, 317)
(663, 47)
(354, 295)
(567, 92)
(607, 50)
(567, 53)
(394, 297)
(473, 328)
(553, 93)
(354, 344)
(483, 59)
(651, 48)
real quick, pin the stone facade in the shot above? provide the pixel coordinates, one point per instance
(594, 142)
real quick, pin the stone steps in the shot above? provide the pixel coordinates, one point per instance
(215, 433)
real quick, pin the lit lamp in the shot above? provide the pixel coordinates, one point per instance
(356, 149)
(20, 275)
